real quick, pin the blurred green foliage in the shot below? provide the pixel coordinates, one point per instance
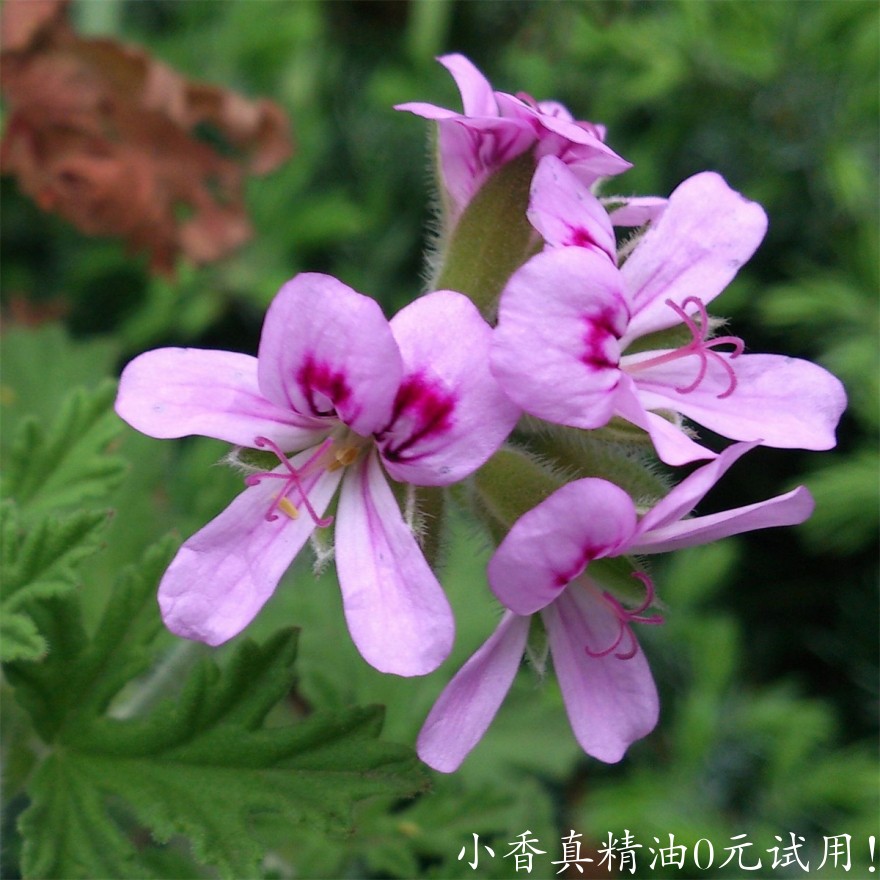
(768, 664)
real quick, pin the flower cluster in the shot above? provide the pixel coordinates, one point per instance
(599, 353)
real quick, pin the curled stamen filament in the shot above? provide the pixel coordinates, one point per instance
(701, 346)
(625, 617)
(292, 480)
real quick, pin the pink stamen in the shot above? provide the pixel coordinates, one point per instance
(626, 617)
(701, 346)
(292, 479)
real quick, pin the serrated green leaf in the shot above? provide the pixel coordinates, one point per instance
(19, 638)
(67, 463)
(437, 827)
(64, 363)
(40, 562)
(394, 840)
(81, 677)
(83, 843)
(201, 767)
(201, 764)
(36, 564)
(209, 787)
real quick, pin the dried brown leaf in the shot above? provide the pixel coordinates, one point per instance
(108, 137)
(21, 22)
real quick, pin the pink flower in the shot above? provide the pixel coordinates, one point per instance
(496, 127)
(359, 399)
(544, 565)
(568, 347)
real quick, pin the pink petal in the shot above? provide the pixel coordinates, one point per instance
(465, 709)
(706, 233)
(560, 111)
(549, 546)
(783, 510)
(477, 96)
(635, 210)
(175, 392)
(450, 414)
(784, 402)
(427, 111)
(327, 351)
(470, 150)
(611, 702)
(223, 575)
(496, 127)
(560, 128)
(682, 499)
(589, 161)
(555, 350)
(396, 610)
(578, 144)
(566, 213)
(475, 143)
(671, 443)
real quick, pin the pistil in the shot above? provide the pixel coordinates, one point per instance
(700, 345)
(626, 617)
(292, 480)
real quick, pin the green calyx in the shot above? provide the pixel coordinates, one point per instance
(492, 238)
(518, 478)
(615, 575)
(250, 461)
(508, 485)
(618, 452)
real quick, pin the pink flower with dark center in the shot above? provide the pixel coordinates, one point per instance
(571, 347)
(494, 128)
(345, 400)
(545, 565)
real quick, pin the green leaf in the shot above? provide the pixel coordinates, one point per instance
(80, 678)
(202, 764)
(19, 638)
(390, 841)
(66, 831)
(511, 482)
(62, 364)
(845, 489)
(68, 463)
(37, 564)
(492, 238)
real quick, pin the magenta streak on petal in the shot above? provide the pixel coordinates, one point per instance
(626, 617)
(292, 479)
(599, 333)
(564, 578)
(701, 346)
(535, 123)
(492, 146)
(421, 409)
(491, 149)
(580, 237)
(318, 378)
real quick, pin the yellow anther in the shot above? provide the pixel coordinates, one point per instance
(285, 506)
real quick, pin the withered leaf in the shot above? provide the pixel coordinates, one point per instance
(112, 139)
